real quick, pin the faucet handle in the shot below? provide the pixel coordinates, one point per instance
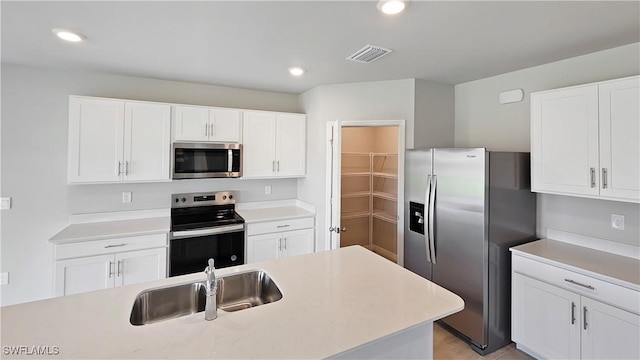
(211, 264)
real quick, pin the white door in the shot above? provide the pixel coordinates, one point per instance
(620, 139)
(545, 318)
(84, 274)
(147, 141)
(335, 145)
(609, 333)
(297, 242)
(258, 144)
(139, 266)
(564, 148)
(290, 145)
(264, 247)
(225, 125)
(191, 123)
(95, 140)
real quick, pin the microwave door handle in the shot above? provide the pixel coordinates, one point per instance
(427, 195)
(229, 160)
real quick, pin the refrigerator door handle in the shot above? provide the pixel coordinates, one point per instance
(432, 210)
(427, 196)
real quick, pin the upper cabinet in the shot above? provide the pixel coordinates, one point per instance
(202, 123)
(274, 144)
(585, 140)
(116, 140)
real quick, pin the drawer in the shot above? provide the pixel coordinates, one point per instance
(279, 226)
(588, 286)
(109, 246)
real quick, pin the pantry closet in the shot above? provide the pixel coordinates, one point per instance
(369, 189)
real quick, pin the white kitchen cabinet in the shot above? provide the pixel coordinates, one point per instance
(278, 239)
(274, 144)
(116, 140)
(561, 314)
(585, 140)
(102, 264)
(202, 123)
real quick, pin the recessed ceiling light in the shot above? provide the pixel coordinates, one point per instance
(391, 7)
(296, 71)
(68, 35)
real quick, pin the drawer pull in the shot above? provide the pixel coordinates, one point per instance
(573, 313)
(580, 284)
(282, 226)
(112, 246)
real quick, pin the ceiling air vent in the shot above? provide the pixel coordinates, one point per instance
(368, 54)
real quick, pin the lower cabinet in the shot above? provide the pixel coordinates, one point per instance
(553, 322)
(267, 241)
(84, 266)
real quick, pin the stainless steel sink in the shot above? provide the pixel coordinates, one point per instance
(235, 292)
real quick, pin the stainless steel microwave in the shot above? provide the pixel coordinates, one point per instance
(206, 160)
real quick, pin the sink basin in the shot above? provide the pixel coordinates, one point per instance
(235, 292)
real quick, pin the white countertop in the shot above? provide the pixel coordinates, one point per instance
(332, 301)
(110, 229)
(617, 269)
(273, 213)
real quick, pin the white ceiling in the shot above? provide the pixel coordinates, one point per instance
(252, 44)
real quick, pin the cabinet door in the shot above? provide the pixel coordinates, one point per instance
(190, 123)
(95, 140)
(291, 139)
(139, 266)
(84, 274)
(545, 318)
(225, 125)
(258, 144)
(609, 333)
(263, 247)
(620, 139)
(564, 141)
(147, 141)
(297, 242)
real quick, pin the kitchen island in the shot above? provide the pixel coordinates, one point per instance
(343, 303)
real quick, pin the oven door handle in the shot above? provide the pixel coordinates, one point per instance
(203, 232)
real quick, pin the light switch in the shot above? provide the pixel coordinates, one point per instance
(267, 189)
(126, 197)
(5, 203)
(4, 278)
(617, 222)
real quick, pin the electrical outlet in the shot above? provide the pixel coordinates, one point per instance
(4, 278)
(5, 203)
(267, 189)
(617, 222)
(126, 197)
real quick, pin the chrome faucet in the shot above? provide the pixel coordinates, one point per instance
(211, 306)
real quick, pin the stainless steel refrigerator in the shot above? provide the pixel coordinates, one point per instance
(465, 208)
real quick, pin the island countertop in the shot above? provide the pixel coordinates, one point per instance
(333, 301)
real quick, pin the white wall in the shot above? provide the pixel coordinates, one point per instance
(480, 121)
(377, 100)
(34, 161)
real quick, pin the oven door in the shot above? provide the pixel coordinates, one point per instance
(189, 251)
(202, 160)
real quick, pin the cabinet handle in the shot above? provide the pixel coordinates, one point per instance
(282, 226)
(584, 317)
(573, 313)
(119, 168)
(120, 271)
(580, 284)
(110, 269)
(285, 243)
(279, 244)
(273, 166)
(206, 129)
(604, 178)
(126, 168)
(211, 130)
(593, 177)
(278, 167)
(112, 246)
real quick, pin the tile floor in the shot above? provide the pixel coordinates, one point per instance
(448, 346)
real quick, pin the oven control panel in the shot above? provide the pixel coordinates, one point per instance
(202, 199)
